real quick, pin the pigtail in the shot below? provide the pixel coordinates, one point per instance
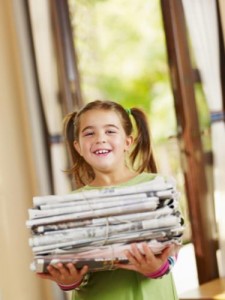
(142, 153)
(80, 170)
(68, 131)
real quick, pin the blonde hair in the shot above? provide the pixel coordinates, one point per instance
(141, 157)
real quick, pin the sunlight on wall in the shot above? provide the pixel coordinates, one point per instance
(185, 272)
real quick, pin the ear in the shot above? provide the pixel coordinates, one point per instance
(77, 147)
(129, 142)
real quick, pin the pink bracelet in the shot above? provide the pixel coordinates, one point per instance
(160, 272)
(70, 287)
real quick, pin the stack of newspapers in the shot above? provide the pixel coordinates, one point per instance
(94, 227)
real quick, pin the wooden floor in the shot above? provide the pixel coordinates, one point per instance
(213, 290)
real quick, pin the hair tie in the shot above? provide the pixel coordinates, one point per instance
(128, 110)
(217, 116)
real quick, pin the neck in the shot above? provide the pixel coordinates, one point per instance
(112, 178)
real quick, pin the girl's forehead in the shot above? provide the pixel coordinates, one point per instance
(95, 117)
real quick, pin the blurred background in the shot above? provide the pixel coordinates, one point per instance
(166, 57)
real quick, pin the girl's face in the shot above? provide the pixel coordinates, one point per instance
(102, 140)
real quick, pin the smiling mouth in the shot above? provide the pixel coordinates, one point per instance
(102, 151)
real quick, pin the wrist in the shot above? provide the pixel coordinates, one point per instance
(69, 287)
(160, 272)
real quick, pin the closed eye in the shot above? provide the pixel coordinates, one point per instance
(90, 133)
(110, 131)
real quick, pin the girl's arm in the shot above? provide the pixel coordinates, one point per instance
(149, 264)
(66, 276)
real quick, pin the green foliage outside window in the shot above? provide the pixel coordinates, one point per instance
(122, 57)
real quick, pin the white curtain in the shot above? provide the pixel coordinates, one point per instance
(201, 19)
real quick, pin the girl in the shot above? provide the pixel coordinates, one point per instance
(105, 153)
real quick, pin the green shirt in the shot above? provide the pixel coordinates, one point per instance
(124, 284)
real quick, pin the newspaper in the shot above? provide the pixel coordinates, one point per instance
(94, 227)
(155, 187)
(124, 237)
(91, 201)
(103, 258)
(37, 213)
(103, 231)
(117, 210)
(51, 228)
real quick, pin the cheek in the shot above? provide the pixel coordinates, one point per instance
(79, 147)
(85, 148)
(122, 144)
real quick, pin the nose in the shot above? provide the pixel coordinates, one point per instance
(100, 138)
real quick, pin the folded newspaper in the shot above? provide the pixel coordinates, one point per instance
(94, 227)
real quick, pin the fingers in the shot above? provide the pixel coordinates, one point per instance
(84, 270)
(169, 251)
(44, 276)
(148, 252)
(58, 270)
(64, 274)
(137, 255)
(139, 258)
(71, 269)
(143, 260)
(127, 267)
(146, 255)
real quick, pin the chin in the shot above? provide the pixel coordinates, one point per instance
(104, 168)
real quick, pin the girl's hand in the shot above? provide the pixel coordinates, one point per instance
(146, 262)
(64, 274)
